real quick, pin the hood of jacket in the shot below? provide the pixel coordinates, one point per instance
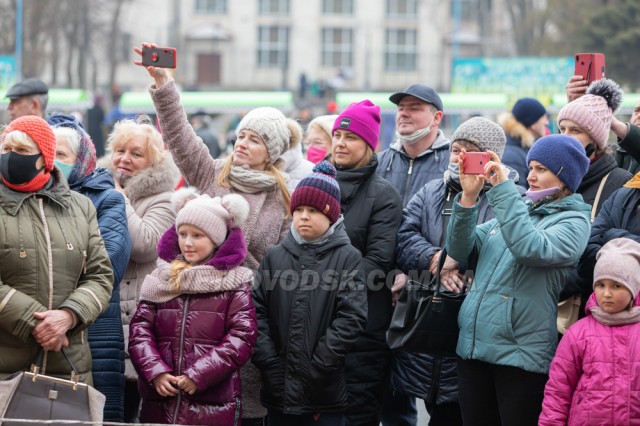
(597, 170)
(337, 239)
(515, 131)
(155, 179)
(55, 190)
(99, 180)
(440, 143)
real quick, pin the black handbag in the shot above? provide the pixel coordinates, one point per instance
(425, 319)
(33, 396)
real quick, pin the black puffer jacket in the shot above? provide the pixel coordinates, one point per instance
(604, 165)
(373, 211)
(311, 307)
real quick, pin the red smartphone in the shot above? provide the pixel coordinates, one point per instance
(474, 162)
(162, 57)
(590, 66)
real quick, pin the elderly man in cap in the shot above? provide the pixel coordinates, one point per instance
(29, 97)
(420, 152)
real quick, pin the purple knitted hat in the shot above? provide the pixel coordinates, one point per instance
(594, 111)
(363, 119)
(319, 190)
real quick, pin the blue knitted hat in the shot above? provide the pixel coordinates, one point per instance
(528, 110)
(319, 190)
(564, 156)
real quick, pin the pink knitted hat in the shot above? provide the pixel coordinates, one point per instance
(594, 111)
(619, 260)
(363, 119)
(214, 216)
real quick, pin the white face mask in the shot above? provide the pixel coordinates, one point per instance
(415, 136)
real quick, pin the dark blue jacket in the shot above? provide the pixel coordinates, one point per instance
(408, 175)
(106, 338)
(515, 156)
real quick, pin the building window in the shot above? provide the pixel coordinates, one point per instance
(337, 7)
(274, 7)
(402, 9)
(337, 47)
(400, 50)
(211, 6)
(273, 46)
(468, 9)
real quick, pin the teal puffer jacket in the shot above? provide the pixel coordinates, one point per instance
(51, 257)
(524, 257)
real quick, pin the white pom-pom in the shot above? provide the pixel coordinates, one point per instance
(182, 196)
(237, 207)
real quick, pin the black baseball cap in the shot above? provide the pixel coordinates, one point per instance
(419, 91)
(30, 86)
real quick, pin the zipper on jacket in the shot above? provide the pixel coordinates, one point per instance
(236, 413)
(437, 366)
(407, 183)
(47, 237)
(180, 353)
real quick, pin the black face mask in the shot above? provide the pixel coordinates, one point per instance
(18, 169)
(589, 149)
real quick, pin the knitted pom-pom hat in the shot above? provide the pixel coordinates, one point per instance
(319, 190)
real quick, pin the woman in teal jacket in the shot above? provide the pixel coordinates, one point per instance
(508, 321)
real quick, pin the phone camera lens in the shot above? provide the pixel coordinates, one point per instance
(154, 57)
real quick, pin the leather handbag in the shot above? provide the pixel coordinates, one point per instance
(425, 319)
(29, 395)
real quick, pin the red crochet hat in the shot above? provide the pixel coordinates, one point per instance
(41, 133)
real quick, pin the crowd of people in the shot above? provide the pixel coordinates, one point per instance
(257, 288)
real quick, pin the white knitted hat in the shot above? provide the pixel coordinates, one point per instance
(277, 131)
(214, 216)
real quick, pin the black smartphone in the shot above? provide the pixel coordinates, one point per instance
(162, 57)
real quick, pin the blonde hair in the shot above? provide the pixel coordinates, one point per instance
(20, 139)
(223, 180)
(175, 269)
(143, 129)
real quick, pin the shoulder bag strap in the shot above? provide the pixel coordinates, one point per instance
(594, 208)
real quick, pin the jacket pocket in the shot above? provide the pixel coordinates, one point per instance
(325, 388)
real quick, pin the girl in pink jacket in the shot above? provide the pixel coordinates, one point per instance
(595, 376)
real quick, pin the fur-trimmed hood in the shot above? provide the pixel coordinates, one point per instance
(516, 130)
(158, 178)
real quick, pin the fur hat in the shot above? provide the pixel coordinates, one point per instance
(363, 119)
(325, 122)
(214, 216)
(319, 190)
(278, 132)
(619, 260)
(528, 110)
(41, 133)
(594, 111)
(564, 156)
(483, 133)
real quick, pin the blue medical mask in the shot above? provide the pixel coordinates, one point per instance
(65, 168)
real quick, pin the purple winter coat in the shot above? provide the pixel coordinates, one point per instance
(594, 377)
(207, 336)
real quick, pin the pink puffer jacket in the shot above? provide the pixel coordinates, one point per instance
(595, 375)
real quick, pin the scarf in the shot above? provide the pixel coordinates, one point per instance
(250, 181)
(630, 316)
(156, 287)
(319, 240)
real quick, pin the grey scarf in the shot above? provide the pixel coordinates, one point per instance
(250, 181)
(630, 316)
(319, 240)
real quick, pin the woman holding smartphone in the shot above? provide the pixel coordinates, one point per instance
(508, 320)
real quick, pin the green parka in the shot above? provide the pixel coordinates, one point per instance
(524, 257)
(51, 256)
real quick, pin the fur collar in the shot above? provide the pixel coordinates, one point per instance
(515, 130)
(229, 255)
(159, 178)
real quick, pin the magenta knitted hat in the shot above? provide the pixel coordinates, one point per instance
(319, 190)
(619, 260)
(214, 216)
(363, 119)
(594, 111)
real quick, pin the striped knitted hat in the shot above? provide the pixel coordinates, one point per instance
(319, 190)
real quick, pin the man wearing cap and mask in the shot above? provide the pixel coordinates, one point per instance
(420, 152)
(29, 97)
(419, 155)
(526, 123)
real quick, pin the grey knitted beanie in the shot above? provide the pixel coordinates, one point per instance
(483, 133)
